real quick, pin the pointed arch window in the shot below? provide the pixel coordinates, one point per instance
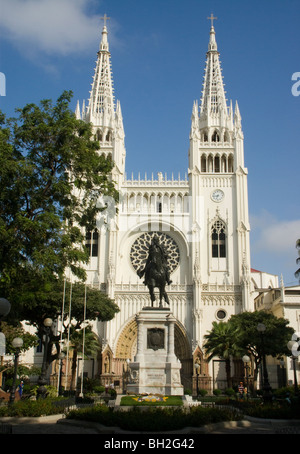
(217, 164)
(230, 163)
(215, 137)
(218, 239)
(203, 163)
(226, 137)
(92, 243)
(108, 137)
(99, 135)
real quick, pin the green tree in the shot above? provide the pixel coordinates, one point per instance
(48, 300)
(10, 332)
(51, 178)
(275, 338)
(223, 341)
(29, 340)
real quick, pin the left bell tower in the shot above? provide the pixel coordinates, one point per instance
(102, 111)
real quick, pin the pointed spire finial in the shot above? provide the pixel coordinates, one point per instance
(104, 42)
(212, 18)
(105, 18)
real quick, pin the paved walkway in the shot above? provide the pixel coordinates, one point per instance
(57, 424)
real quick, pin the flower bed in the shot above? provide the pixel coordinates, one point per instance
(151, 400)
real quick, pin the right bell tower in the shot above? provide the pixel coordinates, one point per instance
(219, 202)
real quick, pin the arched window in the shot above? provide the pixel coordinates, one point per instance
(91, 243)
(203, 163)
(218, 239)
(223, 164)
(226, 137)
(210, 164)
(230, 163)
(217, 164)
(205, 136)
(99, 135)
(215, 137)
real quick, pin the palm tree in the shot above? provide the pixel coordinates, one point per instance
(91, 347)
(222, 341)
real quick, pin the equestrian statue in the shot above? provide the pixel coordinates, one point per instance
(156, 271)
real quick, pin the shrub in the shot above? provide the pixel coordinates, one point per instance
(202, 392)
(217, 392)
(230, 392)
(274, 411)
(113, 393)
(40, 407)
(282, 393)
(154, 419)
(98, 389)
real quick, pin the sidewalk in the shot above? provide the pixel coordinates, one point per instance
(58, 424)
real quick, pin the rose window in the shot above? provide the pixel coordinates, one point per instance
(140, 248)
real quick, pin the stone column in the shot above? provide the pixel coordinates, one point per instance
(140, 341)
(171, 341)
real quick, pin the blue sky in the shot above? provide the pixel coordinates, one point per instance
(158, 57)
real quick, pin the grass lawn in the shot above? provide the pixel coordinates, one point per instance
(151, 401)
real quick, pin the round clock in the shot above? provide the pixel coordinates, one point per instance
(217, 195)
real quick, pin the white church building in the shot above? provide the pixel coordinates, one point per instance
(202, 220)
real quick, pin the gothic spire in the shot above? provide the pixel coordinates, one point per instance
(101, 102)
(213, 102)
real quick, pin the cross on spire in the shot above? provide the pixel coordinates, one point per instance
(212, 18)
(105, 18)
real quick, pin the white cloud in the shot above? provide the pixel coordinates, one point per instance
(273, 245)
(52, 27)
(274, 236)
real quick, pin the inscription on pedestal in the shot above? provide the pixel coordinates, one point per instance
(155, 338)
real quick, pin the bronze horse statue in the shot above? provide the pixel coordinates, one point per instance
(156, 271)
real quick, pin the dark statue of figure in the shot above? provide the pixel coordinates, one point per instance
(156, 271)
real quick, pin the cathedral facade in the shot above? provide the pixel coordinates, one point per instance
(202, 220)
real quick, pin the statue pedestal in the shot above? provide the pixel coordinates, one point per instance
(155, 368)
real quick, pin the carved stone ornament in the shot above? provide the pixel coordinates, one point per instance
(155, 338)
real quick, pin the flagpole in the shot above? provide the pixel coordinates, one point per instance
(67, 364)
(83, 342)
(61, 335)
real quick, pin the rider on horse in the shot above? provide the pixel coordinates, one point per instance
(156, 247)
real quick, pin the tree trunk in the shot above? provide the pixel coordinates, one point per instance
(74, 368)
(228, 373)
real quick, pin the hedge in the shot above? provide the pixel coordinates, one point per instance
(154, 419)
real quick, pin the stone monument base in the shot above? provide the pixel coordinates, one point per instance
(155, 369)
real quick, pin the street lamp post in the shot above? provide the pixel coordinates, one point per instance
(42, 391)
(267, 396)
(17, 343)
(197, 367)
(246, 360)
(293, 346)
(61, 357)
